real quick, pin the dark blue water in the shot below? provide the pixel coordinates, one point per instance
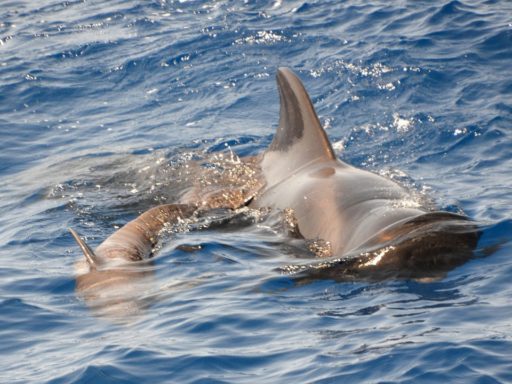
(105, 105)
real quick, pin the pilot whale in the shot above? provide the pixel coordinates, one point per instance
(368, 220)
(362, 217)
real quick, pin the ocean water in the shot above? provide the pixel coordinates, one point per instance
(109, 108)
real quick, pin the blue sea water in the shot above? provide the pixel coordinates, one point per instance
(105, 105)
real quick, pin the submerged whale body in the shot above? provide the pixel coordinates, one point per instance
(369, 229)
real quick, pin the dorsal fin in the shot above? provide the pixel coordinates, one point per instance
(92, 259)
(299, 126)
(300, 138)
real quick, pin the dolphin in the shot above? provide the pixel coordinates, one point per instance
(358, 212)
(119, 276)
(366, 222)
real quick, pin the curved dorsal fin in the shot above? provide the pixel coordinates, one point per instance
(300, 138)
(91, 257)
(299, 127)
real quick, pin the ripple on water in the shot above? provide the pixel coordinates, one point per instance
(108, 109)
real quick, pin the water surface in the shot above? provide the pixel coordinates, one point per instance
(105, 108)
